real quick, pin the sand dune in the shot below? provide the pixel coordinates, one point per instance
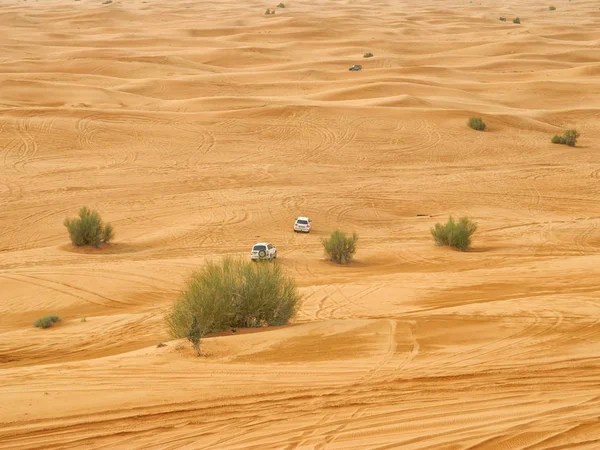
(198, 128)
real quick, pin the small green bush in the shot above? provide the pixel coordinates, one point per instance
(516, 20)
(281, 5)
(267, 12)
(569, 138)
(233, 294)
(368, 55)
(503, 19)
(47, 321)
(552, 8)
(194, 335)
(340, 248)
(454, 234)
(89, 229)
(108, 233)
(477, 123)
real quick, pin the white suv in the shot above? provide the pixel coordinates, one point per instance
(302, 224)
(263, 250)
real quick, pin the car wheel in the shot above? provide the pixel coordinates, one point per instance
(275, 255)
(262, 254)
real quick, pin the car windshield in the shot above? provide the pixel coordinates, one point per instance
(258, 248)
(302, 222)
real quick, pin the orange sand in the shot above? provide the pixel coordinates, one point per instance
(198, 128)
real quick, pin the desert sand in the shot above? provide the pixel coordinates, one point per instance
(199, 128)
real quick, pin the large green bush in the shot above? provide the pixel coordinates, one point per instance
(233, 294)
(454, 234)
(88, 229)
(340, 248)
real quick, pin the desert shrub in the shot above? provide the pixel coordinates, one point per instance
(47, 321)
(516, 20)
(503, 19)
(569, 138)
(368, 55)
(477, 123)
(454, 234)
(281, 5)
(267, 12)
(552, 8)
(108, 233)
(88, 229)
(233, 294)
(340, 248)
(194, 335)
(107, 2)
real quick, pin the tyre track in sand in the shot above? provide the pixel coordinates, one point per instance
(67, 289)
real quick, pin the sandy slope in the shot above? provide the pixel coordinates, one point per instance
(197, 128)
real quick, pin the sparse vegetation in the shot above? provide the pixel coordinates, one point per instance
(281, 5)
(477, 123)
(503, 19)
(88, 229)
(84, 319)
(268, 12)
(107, 233)
(368, 55)
(107, 2)
(47, 321)
(340, 248)
(569, 138)
(233, 294)
(194, 335)
(552, 8)
(454, 234)
(516, 20)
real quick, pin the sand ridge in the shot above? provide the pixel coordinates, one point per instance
(197, 129)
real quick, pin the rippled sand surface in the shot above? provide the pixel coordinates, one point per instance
(199, 128)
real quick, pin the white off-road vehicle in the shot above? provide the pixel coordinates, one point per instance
(302, 224)
(262, 251)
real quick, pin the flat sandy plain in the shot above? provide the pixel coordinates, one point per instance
(198, 128)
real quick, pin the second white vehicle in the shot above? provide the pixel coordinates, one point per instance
(302, 224)
(263, 251)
